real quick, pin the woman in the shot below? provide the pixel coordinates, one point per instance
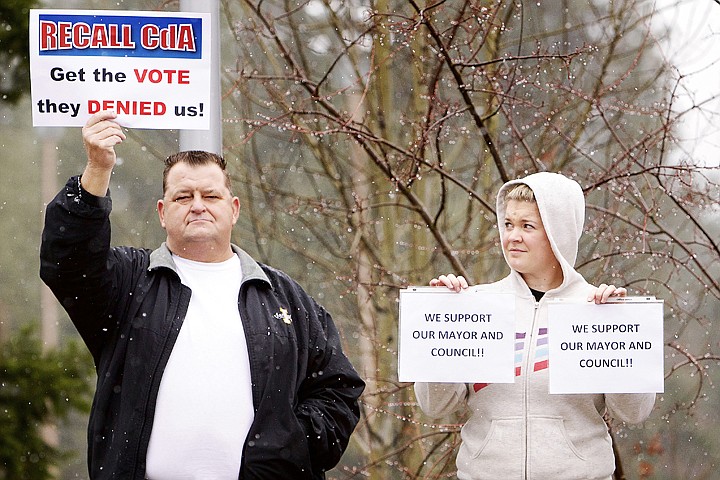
(519, 430)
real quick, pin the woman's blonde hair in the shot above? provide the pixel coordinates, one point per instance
(520, 192)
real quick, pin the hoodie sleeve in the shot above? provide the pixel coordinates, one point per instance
(438, 400)
(630, 407)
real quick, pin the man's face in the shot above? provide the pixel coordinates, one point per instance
(526, 245)
(198, 212)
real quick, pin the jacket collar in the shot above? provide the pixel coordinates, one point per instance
(251, 270)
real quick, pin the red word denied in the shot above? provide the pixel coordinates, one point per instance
(127, 107)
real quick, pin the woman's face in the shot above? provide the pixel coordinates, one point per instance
(527, 248)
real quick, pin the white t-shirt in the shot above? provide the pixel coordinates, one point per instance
(204, 406)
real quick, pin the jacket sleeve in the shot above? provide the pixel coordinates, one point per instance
(438, 400)
(630, 407)
(328, 397)
(73, 257)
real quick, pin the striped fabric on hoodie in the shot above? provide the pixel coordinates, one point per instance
(540, 362)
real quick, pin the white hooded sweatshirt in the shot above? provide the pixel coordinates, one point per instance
(519, 430)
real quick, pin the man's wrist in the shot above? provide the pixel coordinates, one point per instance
(95, 181)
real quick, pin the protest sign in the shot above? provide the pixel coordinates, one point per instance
(612, 348)
(151, 68)
(463, 337)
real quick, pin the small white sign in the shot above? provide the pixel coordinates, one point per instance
(456, 337)
(612, 348)
(151, 68)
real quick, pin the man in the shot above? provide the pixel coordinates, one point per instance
(518, 430)
(210, 365)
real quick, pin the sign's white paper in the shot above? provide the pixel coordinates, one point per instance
(611, 348)
(456, 337)
(151, 68)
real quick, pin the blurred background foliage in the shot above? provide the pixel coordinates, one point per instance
(14, 47)
(368, 140)
(40, 389)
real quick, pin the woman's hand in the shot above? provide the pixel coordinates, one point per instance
(455, 283)
(602, 293)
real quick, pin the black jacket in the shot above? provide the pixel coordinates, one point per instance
(128, 305)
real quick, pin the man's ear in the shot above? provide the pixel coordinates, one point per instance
(161, 212)
(236, 209)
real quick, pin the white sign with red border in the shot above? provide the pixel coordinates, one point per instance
(151, 68)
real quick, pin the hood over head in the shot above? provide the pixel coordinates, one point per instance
(561, 203)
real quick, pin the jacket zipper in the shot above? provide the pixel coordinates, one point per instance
(144, 439)
(532, 339)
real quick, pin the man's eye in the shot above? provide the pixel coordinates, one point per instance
(182, 199)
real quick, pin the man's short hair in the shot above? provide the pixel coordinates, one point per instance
(195, 158)
(520, 192)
